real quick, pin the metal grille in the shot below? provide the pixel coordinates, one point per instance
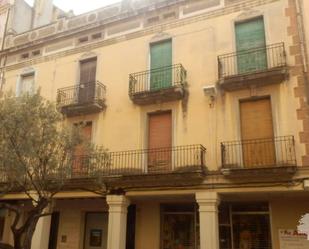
(229, 64)
(268, 152)
(181, 159)
(157, 79)
(88, 93)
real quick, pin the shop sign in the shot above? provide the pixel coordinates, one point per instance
(292, 239)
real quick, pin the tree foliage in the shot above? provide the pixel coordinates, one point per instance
(36, 153)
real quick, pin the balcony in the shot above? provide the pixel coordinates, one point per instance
(254, 67)
(81, 99)
(181, 162)
(270, 155)
(158, 85)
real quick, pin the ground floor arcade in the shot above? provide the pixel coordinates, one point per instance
(169, 220)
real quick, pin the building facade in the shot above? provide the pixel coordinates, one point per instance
(203, 107)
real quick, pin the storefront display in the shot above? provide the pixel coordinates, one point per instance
(179, 227)
(244, 226)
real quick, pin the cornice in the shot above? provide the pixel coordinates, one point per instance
(154, 29)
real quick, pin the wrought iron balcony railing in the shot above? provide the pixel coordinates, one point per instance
(82, 94)
(259, 153)
(181, 159)
(252, 61)
(157, 79)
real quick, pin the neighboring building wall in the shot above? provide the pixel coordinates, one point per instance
(43, 13)
(20, 17)
(4, 10)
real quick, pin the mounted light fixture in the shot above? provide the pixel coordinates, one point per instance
(211, 92)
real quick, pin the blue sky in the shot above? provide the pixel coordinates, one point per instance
(80, 6)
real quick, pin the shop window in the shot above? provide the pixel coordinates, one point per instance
(244, 226)
(179, 227)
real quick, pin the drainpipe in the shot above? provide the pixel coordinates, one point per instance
(302, 37)
(4, 57)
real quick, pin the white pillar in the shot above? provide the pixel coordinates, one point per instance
(209, 226)
(117, 221)
(40, 237)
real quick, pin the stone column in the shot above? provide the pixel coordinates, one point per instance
(117, 221)
(209, 226)
(40, 237)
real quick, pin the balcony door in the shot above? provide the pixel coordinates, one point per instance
(251, 46)
(87, 81)
(80, 162)
(160, 142)
(160, 65)
(257, 133)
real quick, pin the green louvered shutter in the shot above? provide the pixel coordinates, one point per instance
(250, 35)
(160, 57)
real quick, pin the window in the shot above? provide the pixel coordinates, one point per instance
(36, 53)
(24, 56)
(83, 39)
(96, 36)
(26, 84)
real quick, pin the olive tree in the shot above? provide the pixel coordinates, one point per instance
(36, 149)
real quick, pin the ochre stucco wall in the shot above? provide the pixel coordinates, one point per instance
(285, 214)
(147, 226)
(196, 46)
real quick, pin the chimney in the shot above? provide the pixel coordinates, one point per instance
(42, 13)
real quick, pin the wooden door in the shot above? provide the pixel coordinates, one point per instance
(87, 80)
(257, 133)
(160, 65)
(81, 160)
(250, 35)
(160, 142)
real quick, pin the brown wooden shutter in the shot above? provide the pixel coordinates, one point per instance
(86, 91)
(257, 127)
(88, 71)
(80, 163)
(160, 141)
